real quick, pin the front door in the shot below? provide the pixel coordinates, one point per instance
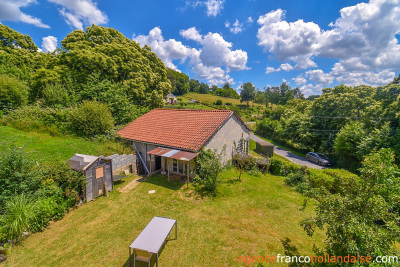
(157, 163)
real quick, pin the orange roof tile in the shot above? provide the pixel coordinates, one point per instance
(177, 128)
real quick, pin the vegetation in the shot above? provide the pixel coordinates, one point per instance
(207, 226)
(208, 168)
(347, 123)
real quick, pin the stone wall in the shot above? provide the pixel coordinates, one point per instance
(230, 133)
(123, 163)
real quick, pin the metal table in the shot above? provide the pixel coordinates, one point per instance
(154, 235)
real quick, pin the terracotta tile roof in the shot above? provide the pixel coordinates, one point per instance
(177, 128)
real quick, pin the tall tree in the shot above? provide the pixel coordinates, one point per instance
(248, 92)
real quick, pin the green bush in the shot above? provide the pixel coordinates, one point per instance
(208, 168)
(295, 178)
(91, 118)
(275, 166)
(55, 95)
(18, 214)
(13, 93)
(218, 102)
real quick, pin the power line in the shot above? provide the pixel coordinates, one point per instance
(339, 117)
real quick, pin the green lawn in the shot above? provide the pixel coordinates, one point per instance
(45, 148)
(210, 99)
(250, 217)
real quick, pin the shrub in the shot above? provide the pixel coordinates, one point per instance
(13, 93)
(55, 95)
(275, 166)
(18, 214)
(91, 118)
(295, 178)
(218, 102)
(208, 168)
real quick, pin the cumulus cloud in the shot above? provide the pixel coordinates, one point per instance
(191, 34)
(212, 62)
(11, 10)
(213, 7)
(80, 12)
(363, 40)
(299, 80)
(286, 67)
(271, 69)
(250, 19)
(235, 28)
(166, 50)
(49, 44)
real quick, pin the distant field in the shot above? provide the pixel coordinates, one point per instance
(212, 98)
(45, 148)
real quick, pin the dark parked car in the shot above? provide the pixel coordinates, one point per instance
(318, 158)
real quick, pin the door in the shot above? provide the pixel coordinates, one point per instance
(98, 181)
(157, 163)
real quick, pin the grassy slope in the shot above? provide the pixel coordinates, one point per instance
(44, 148)
(207, 98)
(248, 218)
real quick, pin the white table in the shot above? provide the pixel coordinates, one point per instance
(154, 235)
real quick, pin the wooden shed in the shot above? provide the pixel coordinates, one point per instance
(98, 172)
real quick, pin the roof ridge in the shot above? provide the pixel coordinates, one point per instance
(202, 110)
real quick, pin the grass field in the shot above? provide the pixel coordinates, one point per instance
(250, 217)
(45, 148)
(210, 99)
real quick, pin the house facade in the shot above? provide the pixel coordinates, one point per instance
(168, 140)
(171, 99)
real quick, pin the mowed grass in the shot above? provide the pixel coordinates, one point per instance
(46, 148)
(248, 218)
(210, 99)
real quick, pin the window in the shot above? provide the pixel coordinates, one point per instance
(100, 172)
(181, 167)
(174, 165)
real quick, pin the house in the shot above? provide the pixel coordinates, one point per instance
(168, 140)
(171, 99)
(98, 172)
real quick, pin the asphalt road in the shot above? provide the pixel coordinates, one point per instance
(289, 155)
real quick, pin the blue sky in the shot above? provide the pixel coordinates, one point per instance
(309, 44)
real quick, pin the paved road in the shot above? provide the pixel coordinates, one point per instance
(289, 155)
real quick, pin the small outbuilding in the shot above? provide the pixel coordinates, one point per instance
(265, 148)
(98, 172)
(171, 99)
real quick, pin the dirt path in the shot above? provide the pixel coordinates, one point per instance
(289, 155)
(130, 185)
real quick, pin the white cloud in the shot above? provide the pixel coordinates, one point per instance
(271, 69)
(250, 19)
(11, 10)
(309, 89)
(299, 80)
(216, 52)
(288, 41)
(49, 44)
(363, 40)
(214, 7)
(80, 12)
(236, 27)
(319, 76)
(191, 34)
(166, 50)
(286, 67)
(212, 62)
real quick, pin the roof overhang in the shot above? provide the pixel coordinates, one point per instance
(173, 153)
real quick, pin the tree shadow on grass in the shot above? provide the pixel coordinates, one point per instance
(161, 180)
(291, 250)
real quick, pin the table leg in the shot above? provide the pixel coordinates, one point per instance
(176, 230)
(130, 257)
(157, 260)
